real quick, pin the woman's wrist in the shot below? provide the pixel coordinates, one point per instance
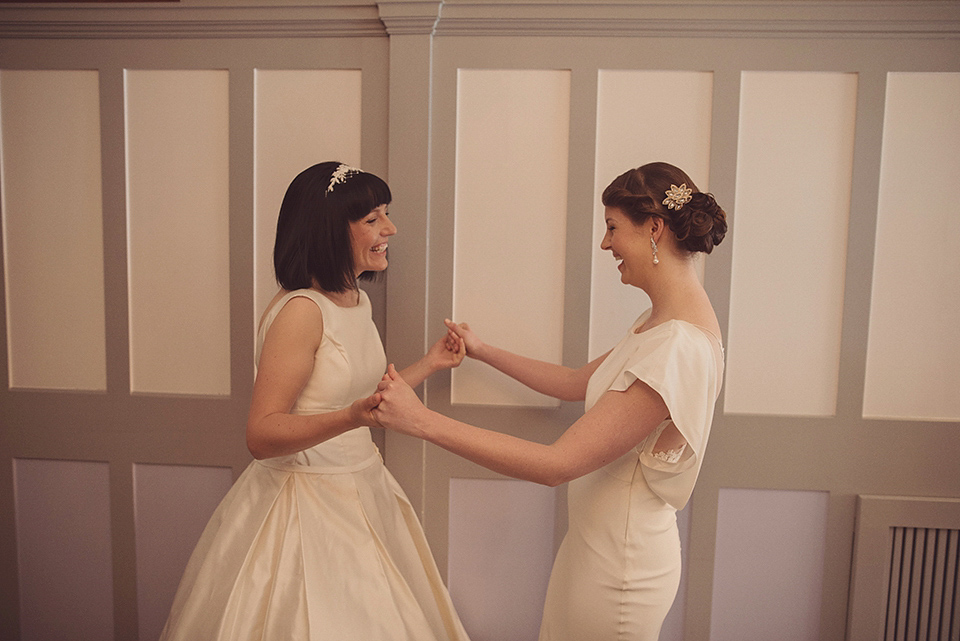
(422, 421)
(481, 353)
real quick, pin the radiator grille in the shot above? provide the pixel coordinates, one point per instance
(923, 600)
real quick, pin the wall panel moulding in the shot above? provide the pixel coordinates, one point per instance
(176, 21)
(650, 18)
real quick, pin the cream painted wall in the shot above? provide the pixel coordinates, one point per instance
(45, 249)
(510, 206)
(794, 165)
(177, 177)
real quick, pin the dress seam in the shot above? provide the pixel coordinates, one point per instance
(273, 586)
(626, 541)
(246, 560)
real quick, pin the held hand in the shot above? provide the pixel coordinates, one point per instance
(448, 352)
(470, 340)
(361, 411)
(399, 408)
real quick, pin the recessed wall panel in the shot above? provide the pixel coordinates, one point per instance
(302, 117)
(913, 349)
(53, 229)
(768, 568)
(172, 504)
(625, 140)
(178, 231)
(510, 220)
(794, 170)
(63, 549)
(500, 555)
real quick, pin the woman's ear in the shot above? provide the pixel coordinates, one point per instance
(656, 227)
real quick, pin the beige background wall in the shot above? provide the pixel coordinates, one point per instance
(143, 152)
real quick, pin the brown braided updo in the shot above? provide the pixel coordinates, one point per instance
(698, 225)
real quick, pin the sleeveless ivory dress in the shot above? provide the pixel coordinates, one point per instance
(321, 545)
(618, 567)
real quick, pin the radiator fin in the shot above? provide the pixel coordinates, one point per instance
(923, 599)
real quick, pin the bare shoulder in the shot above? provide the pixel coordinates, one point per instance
(299, 320)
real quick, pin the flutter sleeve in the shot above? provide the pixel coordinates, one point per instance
(680, 364)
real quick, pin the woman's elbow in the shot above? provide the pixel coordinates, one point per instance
(555, 476)
(552, 481)
(256, 445)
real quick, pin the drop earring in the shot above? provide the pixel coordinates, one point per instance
(653, 244)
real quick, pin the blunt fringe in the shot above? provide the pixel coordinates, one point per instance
(313, 245)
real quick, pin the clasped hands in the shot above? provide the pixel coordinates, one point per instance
(395, 405)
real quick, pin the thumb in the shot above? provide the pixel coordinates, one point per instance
(372, 401)
(392, 372)
(453, 327)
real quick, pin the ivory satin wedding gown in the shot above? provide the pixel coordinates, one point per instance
(321, 545)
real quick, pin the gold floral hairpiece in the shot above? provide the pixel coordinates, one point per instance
(677, 197)
(340, 175)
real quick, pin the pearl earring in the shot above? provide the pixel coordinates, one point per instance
(653, 244)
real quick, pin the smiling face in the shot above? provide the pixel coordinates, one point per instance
(368, 237)
(629, 243)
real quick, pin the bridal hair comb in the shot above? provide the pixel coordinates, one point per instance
(340, 175)
(677, 197)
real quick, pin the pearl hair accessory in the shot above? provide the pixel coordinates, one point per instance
(677, 197)
(340, 175)
(653, 244)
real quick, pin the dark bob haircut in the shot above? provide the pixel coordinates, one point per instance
(313, 247)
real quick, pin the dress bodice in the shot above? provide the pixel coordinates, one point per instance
(348, 365)
(683, 363)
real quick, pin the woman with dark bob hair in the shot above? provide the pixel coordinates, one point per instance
(316, 540)
(632, 459)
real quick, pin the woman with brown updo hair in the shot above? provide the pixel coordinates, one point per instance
(633, 458)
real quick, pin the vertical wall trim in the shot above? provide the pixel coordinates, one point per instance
(240, 107)
(123, 534)
(113, 167)
(410, 26)
(861, 242)
(703, 519)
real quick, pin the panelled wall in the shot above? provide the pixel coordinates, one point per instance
(143, 154)
(140, 181)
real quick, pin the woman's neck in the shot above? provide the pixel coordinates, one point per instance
(346, 298)
(678, 294)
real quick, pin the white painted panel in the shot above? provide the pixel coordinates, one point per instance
(511, 211)
(626, 139)
(172, 504)
(913, 349)
(178, 231)
(53, 229)
(302, 117)
(499, 556)
(794, 169)
(63, 550)
(768, 568)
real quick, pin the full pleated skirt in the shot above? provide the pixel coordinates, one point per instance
(319, 554)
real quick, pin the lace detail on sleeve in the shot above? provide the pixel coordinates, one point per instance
(670, 456)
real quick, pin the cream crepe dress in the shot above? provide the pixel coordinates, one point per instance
(321, 545)
(618, 568)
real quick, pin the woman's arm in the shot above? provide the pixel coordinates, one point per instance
(558, 381)
(615, 424)
(446, 353)
(286, 363)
